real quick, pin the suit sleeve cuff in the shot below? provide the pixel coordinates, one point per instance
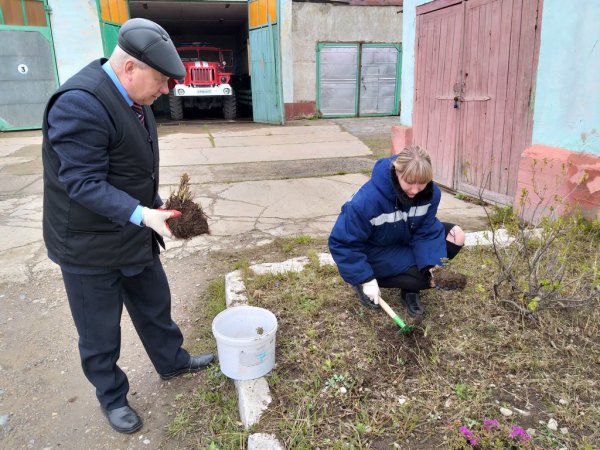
(136, 216)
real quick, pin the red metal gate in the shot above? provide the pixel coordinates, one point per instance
(474, 71)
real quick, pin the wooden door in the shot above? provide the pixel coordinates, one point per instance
(488, 108)
(437, 74)
(498, 74)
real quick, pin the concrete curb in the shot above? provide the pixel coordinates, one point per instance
(254, 395)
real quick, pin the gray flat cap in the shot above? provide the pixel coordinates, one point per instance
(151, 44)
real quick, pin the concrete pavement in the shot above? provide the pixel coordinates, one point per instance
(255, 182)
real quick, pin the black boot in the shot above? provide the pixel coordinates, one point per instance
(412, 302)
(363, 298)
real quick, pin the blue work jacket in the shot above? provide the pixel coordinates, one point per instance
(381, 233)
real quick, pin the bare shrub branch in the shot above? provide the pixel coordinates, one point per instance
(550, 264)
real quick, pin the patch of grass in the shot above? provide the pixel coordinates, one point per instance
(208, 415)
(380, 146)
(502, 217)
(469, 199)
(211, 138)
(191, 425)
(345, 377)
(291, 245)
(215, 297)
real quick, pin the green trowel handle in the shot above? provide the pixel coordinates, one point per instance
(390, 312)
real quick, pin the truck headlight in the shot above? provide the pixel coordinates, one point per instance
(180, 91)
(226, 91)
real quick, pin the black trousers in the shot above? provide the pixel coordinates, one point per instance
(413, 280)
(96, 303)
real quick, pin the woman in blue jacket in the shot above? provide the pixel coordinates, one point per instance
(387, 234)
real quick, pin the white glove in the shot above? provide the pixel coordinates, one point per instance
(371, 290)
(156, 219)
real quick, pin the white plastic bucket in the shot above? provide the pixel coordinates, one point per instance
(245, 338)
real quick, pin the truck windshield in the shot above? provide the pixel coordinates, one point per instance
(209, 56)
(203, 54)
(199, 55)
(188, 55)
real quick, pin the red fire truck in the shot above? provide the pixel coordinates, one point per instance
(208, 73)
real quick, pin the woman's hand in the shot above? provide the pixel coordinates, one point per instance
(432, 277)
(371, 290)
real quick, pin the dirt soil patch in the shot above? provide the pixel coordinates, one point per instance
(448, 280)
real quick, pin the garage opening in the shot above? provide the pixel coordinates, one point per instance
(212, 40)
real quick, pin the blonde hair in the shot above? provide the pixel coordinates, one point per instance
(413, 165)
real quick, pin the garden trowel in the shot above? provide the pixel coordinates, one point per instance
(404, 328)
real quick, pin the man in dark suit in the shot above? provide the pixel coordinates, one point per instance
(102, 218)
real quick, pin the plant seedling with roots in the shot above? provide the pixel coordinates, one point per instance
(404, 328)
(192, 221)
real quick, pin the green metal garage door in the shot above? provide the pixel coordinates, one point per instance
(358, 79)
(27, 66)
(265, 61)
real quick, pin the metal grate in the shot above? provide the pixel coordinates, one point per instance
(202, 75)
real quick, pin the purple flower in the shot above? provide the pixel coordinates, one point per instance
(469, 435)
(519, 432)
(491, 423)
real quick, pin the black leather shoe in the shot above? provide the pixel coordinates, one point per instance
(123, 419)
(196, 363)
(412, 302)
(364, 299)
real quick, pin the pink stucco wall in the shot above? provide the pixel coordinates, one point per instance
(555, 181)
(401, 138)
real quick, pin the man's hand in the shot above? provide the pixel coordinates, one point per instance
(156, 219)
(371, 290)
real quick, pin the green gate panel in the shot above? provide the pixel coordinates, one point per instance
(379, 75)
(337, 77)
(110, 36)
(28, 74)
(266, 86)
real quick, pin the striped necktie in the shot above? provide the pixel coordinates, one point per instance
(139, 112)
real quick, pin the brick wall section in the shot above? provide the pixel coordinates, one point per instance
(300, 110)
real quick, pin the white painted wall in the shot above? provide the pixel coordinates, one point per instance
(76, 35)
(287, 50)
(326, 22)
(408, 59)
(567, 96)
